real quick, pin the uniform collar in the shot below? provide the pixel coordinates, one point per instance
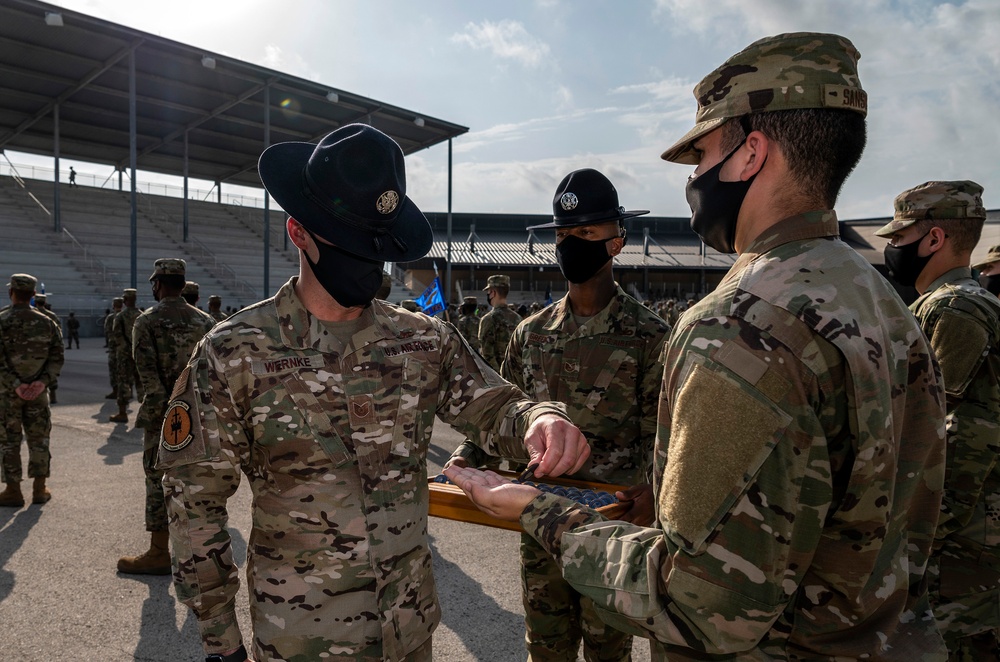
(301, 330)
(810, 225)
(608, 320)
(950, 276)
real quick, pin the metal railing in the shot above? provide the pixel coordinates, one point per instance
(228, 277)
(108, 278)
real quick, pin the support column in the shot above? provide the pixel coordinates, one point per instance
(134, 244)
(447, 267)
(185, 187)
(267, 204)
(56, 210)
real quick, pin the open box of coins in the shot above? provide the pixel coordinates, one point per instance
(447, 500)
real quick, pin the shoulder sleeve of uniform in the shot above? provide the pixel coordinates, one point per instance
(960, 342)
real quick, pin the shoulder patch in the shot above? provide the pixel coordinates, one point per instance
(177, 429)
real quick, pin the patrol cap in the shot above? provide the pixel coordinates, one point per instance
(472, 301)
(129, 293)
(40, 298)
(991, 257)
(410, 304)
(168, 266)
(116, 300)
(935, 201)
(22, 283)
(497, 280)
(783, 72)
(190, 287)
(215, 298)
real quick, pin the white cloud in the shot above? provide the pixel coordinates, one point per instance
(507, 40)
(275, 58)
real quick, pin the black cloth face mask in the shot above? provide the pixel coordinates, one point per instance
(579, 259)
(903, 263)
(715, 205)
(991, 283)
(351, 280)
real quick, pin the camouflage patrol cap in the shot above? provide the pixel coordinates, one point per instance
(190, 287)
(991, 257)
(116, 301)
(22, 283)
(129, 293)
(471, 301)
(41, 298)
(410, 304)
(168, 266)
(215, 298)
(935, 201)
(784, 72)
(497, 280)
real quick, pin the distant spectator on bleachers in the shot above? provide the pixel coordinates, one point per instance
(72, 176)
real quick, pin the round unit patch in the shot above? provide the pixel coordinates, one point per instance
(176, 432)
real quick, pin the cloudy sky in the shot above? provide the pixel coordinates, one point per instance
(549, 86)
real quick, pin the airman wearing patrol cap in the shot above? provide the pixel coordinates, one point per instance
(989, 270)
(162, 340)
(933, 232)
(799, 491)
(410, 305)
(42, 306)
(111, 343)
(126, 376)
(468, 321)
(496, 326)
(215, 308)
(190, 293)
(31, 356)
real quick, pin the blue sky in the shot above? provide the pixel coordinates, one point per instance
(549, 86)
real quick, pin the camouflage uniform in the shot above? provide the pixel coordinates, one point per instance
(332, 435)
(125, 376)
(468, 323)
(495, 329)
(43, 309)
(608, 374)
(162, 341)
(962, 321)
(113, 351)
(793, 521)
(33, 351)
(215, 301)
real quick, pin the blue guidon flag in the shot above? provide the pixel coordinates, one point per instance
(431, 302)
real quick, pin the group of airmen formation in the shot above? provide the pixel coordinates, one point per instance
(810, 465)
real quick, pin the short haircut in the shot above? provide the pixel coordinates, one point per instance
(504, 290)
(822, 146)
(963, 232)
(171, 281)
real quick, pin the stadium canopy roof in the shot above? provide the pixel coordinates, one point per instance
(54, 58)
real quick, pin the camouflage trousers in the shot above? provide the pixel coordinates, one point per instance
(964, 582)
(113, 369)
(556, 617)
(156, 507)
(373, 653)
(125, 378)
(34, 418)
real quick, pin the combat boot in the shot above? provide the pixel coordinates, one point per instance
(154, 561)
(120, 417)
(40, 493)
(52, 396)
(11, 496)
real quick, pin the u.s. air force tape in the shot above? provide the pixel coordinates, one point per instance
(176, 432)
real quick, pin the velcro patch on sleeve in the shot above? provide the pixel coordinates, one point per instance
(721, 432)
(960, 344)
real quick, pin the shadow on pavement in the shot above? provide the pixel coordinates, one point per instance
(469, 612)
(14, 528)
(160, 640)
(122, 440)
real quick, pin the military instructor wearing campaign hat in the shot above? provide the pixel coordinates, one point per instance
(324, 397)
(162, 340)
(934, 230)
(800, 448)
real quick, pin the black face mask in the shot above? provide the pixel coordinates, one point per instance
(579, 259)
(903, 263)
(991, 283)
(715, 205)
(351, 280)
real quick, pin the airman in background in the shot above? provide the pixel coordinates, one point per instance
(934, 230)
(410, 305)
(215, 308)
(112, 342)
(386, 289)
(32, 358)
(42, 306)
(125, 376)
(468, 321)
(191, 293)
(496, 326)
(989, 271)
(162, 340)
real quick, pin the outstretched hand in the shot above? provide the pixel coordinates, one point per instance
(556, 445)
(493, 494)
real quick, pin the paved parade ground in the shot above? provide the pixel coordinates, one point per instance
(60, 594)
